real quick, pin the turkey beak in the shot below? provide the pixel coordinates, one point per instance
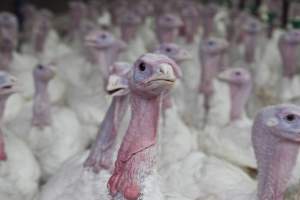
(117, 86)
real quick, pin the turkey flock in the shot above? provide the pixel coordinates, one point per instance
(151, 100)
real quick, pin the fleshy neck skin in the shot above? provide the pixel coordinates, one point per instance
(101, 155)
(239, 95)
(289, 58)
(40, 41)
(103, 58)
(250, 41)
(41, 107)
(3, 155)
(6, 58)
(276, 158)
(167, 35)
(137, 154)
(128, 32)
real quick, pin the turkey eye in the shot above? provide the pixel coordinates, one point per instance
(211, 43)
(142, 66)
(238, 73)
(40, 67)
(290, 117)
(168, 49)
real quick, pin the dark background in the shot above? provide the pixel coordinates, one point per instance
(54, 5)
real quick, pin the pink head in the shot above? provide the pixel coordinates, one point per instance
(240, 83)
(212, 53)
(8, 32)
(208, 13)
(174, 52)
(8, 87)
(129, 22)
(190, 15)
(117, 84)
(276, 140)
(252, 28)
(42, 27)
(78, 11)
(288, 44)
(44, 73)
(168, 27)
(153, 74)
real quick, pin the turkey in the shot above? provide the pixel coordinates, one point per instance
(214, 97)
(103, 151)
(290, 81)
(151, 76)
(86, 95)
(53, 132)
(232, 142)
(19, 171)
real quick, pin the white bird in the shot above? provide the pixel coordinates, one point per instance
(19, 171)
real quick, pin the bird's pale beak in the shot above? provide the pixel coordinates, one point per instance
(164, 74)
(224, 76)
(117, 86)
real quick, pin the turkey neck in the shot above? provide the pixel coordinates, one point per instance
(106, 138)
(276, 158)
(128, 32)
(6, 57)
(239, 95)
(41, 106)
(191, 26)
(207, 26)
(289, 59)
(137, 154)
(250, 46)
(40, 41)
(3, 156)
(102, 57)
(167, 35)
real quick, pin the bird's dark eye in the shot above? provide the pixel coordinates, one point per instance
(103, 36)
(290, 117)
(211, 43)
(40, 67)
(168, 49)
(142, 67)
(237, 73)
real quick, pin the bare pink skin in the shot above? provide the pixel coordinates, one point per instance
(3, 155)
(211, 56)
(137, 154)
(129, 24)
(208, 14)
(276, 140)
(29, 12)
(9, 38)
(7, 87)
(78, 11)
(190, 16)
(251, 32)
(105, 49)
(42, 28)
(179, 55)
(42, 107)
(101, 155)
(288, 44)
(274, 6)
(167, 28)
(240, 84)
